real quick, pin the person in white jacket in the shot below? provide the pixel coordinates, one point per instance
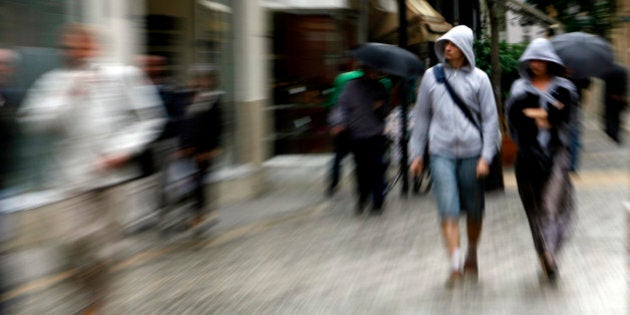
(100, 116)
(460, 149)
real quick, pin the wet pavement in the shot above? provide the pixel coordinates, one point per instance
(293, 251)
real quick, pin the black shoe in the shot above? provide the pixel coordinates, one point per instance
(359, 208)
(376, 210)
(330, 191)
(552, 273)
(552, 276)
(471, 270)
(550, 268)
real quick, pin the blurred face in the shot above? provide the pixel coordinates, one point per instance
(153, 67)
(203, 82)
(78, 48)
(6, 65)
(538, 67)
(452, 53)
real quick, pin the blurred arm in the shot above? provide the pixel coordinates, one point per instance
(148, 116)
(422, 116)
(489, 120)
(338, 117)
(48, 104)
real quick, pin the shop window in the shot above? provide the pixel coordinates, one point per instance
(308, 50)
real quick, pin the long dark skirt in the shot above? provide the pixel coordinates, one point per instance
(548, 202)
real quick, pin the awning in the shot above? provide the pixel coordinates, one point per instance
(304, 4)
(215, 6)
(524, 9)
(425, 24)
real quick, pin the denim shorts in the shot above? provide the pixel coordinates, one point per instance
(456, 187)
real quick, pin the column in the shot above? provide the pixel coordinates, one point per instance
(123, 32)
(119, 34)
(364, 13)
(250, 80)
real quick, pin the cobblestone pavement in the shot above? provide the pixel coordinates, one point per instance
(322, 259)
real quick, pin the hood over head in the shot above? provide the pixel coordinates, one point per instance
(462, 36)
(538, 49)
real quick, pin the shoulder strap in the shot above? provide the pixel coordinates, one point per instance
(440, 76)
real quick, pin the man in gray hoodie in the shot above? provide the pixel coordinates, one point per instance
(459, 152)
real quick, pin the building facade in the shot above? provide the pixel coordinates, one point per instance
(231, 35)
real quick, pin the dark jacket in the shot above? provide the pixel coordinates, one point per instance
(8, 131)
(202, 124)
(355, 108)
(616, 86)
(538, 146)
(524, 94)
(175, 102)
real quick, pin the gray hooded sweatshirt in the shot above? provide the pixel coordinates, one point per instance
(541, 49)
(439, 123)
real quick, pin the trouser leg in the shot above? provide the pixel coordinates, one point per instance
(342, 148)
(377, 169)
(362, 169)
(199, 192)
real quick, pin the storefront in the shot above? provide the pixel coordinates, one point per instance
(31, 27)
(310, 48)
(189, 33)
(229, 35)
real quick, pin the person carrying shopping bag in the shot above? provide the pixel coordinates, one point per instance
(200, 140)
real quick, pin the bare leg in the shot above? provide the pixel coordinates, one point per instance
(473, 228)
(450, 230)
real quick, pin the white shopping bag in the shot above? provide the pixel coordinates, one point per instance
(180, 178)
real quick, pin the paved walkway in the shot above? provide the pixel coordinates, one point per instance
(295, 252)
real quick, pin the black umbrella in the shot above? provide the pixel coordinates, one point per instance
(586, 55)
(389, 59)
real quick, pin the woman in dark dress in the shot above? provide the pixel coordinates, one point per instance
(539, 110)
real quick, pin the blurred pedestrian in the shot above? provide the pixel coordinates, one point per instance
(9, 101)
(10, 98)
(341, 136)
(575, 134)
(174, 98)
(154, 159)
(361, 111)
(615, 101)
(202, 127)
(101, 115)
(341, 139)
(174, 101)
(539, 110)
(461, 141)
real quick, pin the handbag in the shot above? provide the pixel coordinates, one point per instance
(494, 180)
(180, 178)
